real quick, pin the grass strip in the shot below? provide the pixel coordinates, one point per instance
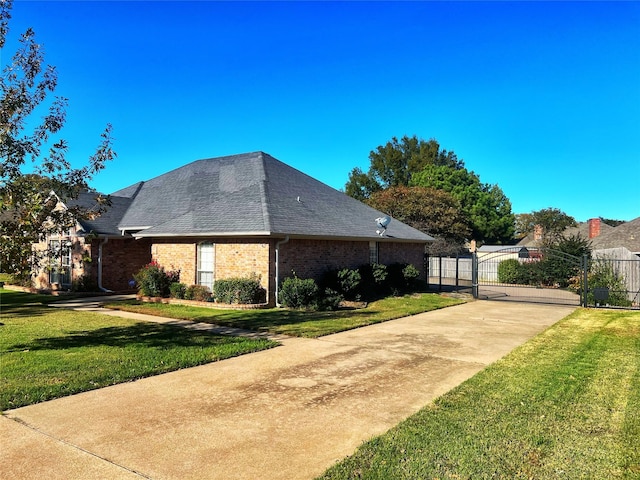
(564, 405)
(47, 353)
(298, 323)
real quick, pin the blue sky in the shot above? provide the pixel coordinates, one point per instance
(541, 98)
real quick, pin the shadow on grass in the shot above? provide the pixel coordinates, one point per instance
(268, 320)
(138, 335)
(23, 311)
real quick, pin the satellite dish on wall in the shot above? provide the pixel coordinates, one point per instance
(383, 223)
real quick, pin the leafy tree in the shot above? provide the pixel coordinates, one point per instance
(435, 212)
(413, 162)
(523, 225)
(394, 163)
(485, 206)
(25, 197)
(611, 222)
(551, 221)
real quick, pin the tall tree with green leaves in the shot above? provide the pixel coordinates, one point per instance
(413, 162)
(486, 207)
(33, 163)
(394, 163)
(551, 223)
(435, 212)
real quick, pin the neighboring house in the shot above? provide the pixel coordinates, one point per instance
(589, 230)
(625, 235)
(251, 215)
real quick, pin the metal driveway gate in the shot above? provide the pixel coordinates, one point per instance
(530, 274)
(607, 278)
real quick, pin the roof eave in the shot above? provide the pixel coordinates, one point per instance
(253, 234)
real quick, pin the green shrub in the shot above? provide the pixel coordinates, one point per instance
(177, 290)
(154, 281)
(298, 293)
(603, 275)
(411, 275)
(199, 293)
(330, 300)
(349, 282)
(379, 273)
(509, 271)
(374, 281)
(239, 290)
(84, 284)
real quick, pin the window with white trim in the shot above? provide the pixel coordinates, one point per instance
(60, 262)
(206, 255)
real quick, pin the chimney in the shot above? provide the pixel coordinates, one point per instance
(594, 227)
(538, 232)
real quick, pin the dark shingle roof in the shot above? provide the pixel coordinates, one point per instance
(625, 235)
(250, 194)
(106, 223)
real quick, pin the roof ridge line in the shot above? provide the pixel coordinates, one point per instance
(263, 194)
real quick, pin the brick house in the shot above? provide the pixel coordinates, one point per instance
(251, 214)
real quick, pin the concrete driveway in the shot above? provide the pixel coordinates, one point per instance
(286, 413)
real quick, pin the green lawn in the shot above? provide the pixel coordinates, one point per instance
(564, 405)
(296, 322)
(47, 353)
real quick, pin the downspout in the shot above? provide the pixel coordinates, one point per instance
(281, 242)
(102, 242)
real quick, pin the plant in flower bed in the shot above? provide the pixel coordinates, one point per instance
(154, 281)
(239, 290)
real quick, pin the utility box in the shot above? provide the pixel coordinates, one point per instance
(601, 295)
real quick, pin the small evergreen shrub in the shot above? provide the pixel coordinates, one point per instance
(373, 282)
(330, 300)
(199, 293)
(298, 293)
(510, 271)
(239, 290)
(177, 290)
(344, 281)
(154, 281)
(411, 275)
(348, 283)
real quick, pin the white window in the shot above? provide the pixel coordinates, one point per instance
(373, 252)
(60, 262)
(206, 255)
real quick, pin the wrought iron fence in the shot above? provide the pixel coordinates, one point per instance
(609, 278)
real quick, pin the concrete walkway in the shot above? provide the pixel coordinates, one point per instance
(285, 413)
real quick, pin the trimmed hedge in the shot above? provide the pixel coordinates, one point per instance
(239, 290)
(199, 293)
(299, 293)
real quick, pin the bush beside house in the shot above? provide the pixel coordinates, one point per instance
(368, 282)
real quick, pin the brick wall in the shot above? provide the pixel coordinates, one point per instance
(233, 258)
(412, 253)
(121, 258)
(180, 255)
(307, 258)
(312, 258)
